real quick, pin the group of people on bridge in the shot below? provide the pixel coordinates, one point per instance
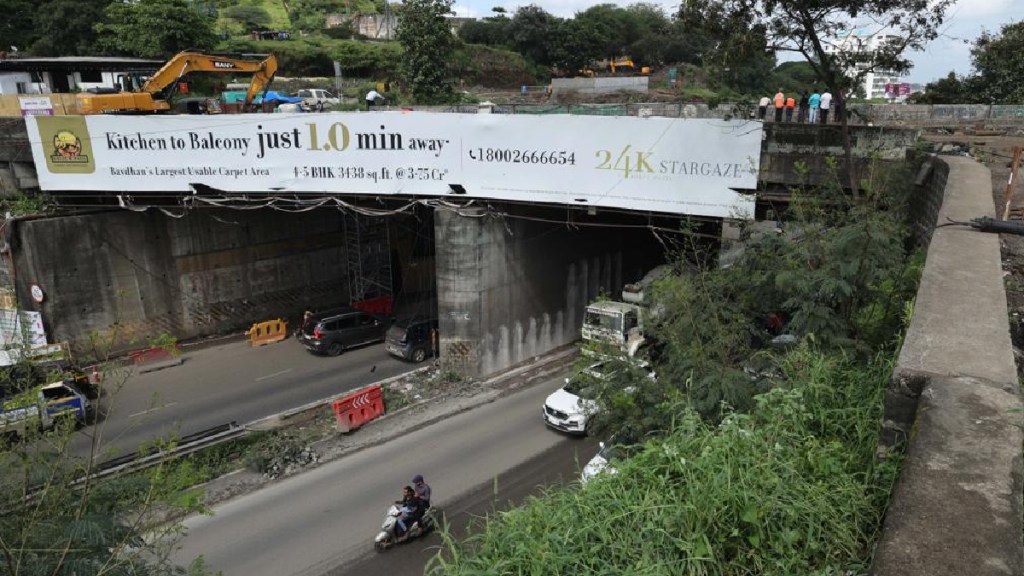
(811, 108)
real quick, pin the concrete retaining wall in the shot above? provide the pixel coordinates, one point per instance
(799, 154)
(955, 399)
(131, 275)
(601, 85)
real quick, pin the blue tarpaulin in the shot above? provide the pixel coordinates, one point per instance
(237, 96)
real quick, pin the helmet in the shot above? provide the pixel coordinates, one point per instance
(417, 478)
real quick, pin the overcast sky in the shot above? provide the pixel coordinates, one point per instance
(964, 23)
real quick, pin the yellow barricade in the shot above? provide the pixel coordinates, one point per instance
(267, 332)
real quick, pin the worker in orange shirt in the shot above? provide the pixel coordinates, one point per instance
(790, 105)
(780, 105)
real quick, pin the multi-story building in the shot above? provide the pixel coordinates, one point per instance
(873, 82)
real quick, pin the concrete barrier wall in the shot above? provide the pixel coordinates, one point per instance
(600, 85)
(955, 400)
(131, 275)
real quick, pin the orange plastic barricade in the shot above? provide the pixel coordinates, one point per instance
(267, 332)
(358, 408)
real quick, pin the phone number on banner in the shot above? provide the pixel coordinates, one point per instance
(360, 173)
(516, 156)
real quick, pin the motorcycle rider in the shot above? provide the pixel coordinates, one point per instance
(422, 489)
(412, 508)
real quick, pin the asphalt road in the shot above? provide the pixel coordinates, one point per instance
(325, 519)
(230, 382)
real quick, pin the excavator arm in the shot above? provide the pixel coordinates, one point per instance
(153, 95)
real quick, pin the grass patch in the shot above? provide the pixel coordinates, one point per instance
(790, 488)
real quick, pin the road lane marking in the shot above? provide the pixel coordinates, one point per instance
(151, 410)
(269, 376)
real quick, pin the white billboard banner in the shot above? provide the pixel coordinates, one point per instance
(682, 166)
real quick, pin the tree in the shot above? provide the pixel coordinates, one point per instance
(653, 31)
(532, 33)
(829, 35)
(427, 40)
(999, 65)
(251, 17)
(948, 90)
(575, 45)
(490, 31)
(67, 27)
(58, 519)
(17, 30)
(154, 28)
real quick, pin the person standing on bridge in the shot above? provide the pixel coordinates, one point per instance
(814, 101)
(780, 105)
(762, 107)
(804, 104)
(826, 103)
(790, 105)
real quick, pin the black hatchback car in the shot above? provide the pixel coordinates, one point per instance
(412, 338)
(332, 332)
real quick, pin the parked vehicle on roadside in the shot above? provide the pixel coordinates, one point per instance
(333, 332)
(570, 407)
(412, 338)
(601, 463)
(317, 99)
(42, 407)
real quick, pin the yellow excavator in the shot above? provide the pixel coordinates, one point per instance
(627, 66)
(155, 93)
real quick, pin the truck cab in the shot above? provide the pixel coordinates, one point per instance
(619, 324)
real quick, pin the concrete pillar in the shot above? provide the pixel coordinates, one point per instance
(510, 289)
(460, 287)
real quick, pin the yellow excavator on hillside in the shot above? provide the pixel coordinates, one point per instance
(627, 67)
(154, 95)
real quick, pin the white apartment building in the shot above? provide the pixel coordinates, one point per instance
(874, 82)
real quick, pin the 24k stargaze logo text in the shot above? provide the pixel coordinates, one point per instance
(637, 164)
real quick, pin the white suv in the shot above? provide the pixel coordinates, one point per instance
(320, 99)
(568, 408)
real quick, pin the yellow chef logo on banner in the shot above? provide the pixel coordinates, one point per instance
(66, 143)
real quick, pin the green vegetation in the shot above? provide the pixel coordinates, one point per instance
(998, 67)
(22, 204)
(791, 488)
(426, 40)
(154, 28)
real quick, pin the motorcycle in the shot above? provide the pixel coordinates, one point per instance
(386, 538)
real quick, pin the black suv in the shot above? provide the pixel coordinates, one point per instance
(412, 338)
(332, 332)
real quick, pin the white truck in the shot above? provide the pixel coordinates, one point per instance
(621, 323)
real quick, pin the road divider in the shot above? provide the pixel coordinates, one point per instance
(358, 408)
(267, 332)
